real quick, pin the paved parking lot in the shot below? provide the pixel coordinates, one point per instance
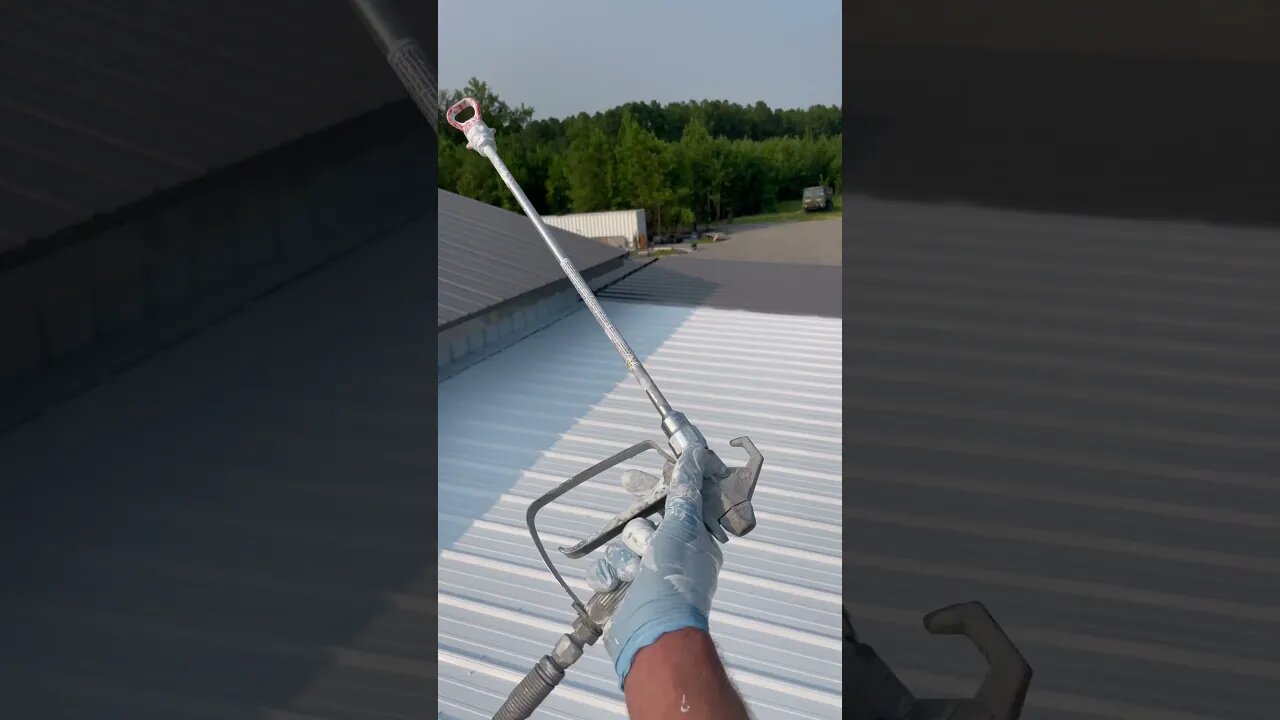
(785, 268)
(816, 242)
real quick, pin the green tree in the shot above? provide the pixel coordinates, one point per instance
(641, 172)
(698, 155)
(448, 161)
(588, 168)
(683, 162)
(476, 179)
(559, 191)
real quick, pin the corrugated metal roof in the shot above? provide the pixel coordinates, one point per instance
(559, 401)
(488, 255)
(103, 103)
(240, 526)
(1074, 420)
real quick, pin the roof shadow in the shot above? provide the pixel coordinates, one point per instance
(765, 287)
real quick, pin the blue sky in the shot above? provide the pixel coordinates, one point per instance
(566, 56)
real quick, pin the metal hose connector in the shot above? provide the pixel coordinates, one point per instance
(532, 690)
(549, 671)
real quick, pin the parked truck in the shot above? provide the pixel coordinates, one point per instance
(817, 197)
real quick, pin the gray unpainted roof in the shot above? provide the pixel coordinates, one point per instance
(1075, 421)
(561, 400)
(791, 268)
(489, 256)
(104, 103)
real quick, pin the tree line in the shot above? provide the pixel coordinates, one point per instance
(686, 163)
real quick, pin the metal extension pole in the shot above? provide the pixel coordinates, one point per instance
(418, 76)
(416, 72)
(480, 139)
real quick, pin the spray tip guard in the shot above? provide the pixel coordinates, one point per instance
(451, 115)
(478, 134)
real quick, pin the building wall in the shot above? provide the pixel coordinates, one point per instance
(628, 224)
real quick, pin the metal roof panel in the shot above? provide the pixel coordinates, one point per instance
(520, 422)
(488, 255)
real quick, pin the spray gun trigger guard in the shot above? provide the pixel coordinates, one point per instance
(564, 487)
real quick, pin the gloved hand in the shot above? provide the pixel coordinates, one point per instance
(672, 569)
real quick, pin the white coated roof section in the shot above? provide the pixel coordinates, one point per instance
(489, 255)
(524, 420)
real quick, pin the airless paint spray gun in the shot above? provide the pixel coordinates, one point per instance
(726, 495)
(727, 510)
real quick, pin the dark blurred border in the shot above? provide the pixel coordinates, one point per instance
(1137, 111)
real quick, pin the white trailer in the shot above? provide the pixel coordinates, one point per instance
(613, 226)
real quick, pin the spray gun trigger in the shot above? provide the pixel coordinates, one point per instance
(652, 503)
(726, 503)
(717, 532)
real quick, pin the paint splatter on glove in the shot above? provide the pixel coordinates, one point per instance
(672, 568)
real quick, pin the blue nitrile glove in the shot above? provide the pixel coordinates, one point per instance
(672, 569)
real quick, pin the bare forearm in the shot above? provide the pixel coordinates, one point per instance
(681, 676)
